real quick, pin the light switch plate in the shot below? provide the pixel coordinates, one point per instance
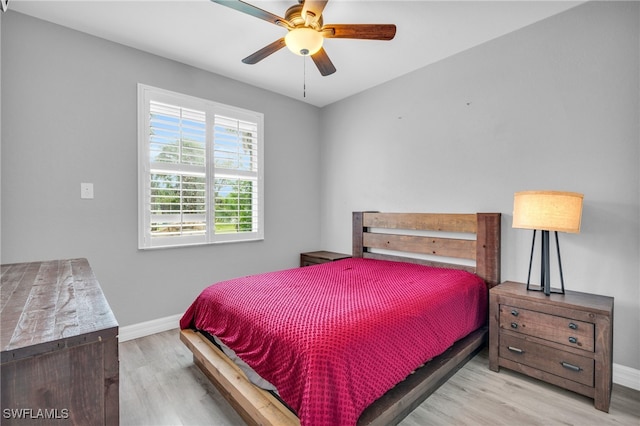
(86, 191)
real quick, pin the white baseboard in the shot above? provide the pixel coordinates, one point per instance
(148, 328)
(626, 376)
(622, 375)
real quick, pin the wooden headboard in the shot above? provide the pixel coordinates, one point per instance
(396, 232)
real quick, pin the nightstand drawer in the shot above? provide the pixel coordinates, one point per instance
(564, 364)
(569, 332)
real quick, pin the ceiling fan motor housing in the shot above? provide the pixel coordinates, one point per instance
(294, 16)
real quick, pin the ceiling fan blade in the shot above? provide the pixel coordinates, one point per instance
(315, 7)
(360, 31)
(322, 61)
(254, 11)
(256, 57)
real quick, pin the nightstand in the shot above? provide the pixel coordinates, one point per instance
(563, 339)
(317, 257)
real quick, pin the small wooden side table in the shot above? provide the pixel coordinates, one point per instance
(317, 257)
(563, 339)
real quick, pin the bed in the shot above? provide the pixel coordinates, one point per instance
(384, 380)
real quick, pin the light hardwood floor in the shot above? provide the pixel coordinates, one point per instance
(159, 385)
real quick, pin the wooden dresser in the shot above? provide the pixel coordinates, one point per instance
(59, 343)
(564, 339)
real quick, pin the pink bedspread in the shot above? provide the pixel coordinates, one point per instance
(335, 337)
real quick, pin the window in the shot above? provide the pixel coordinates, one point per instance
(200, 171)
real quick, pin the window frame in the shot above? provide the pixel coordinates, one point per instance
(148, 94)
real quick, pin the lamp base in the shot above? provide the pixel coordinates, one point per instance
(545, 270)
(547, 292)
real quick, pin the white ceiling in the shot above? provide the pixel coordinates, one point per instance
(216, 38)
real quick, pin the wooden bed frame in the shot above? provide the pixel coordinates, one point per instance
(380, 236)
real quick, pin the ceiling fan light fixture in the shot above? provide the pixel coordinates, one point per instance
(304, 41)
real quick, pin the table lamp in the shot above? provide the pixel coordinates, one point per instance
(547, 211)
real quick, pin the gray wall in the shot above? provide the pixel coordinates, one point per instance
(552, 106)
(69, 116)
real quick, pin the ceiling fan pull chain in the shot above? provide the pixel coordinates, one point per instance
(304, 76)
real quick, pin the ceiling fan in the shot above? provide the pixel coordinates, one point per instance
(307, 31)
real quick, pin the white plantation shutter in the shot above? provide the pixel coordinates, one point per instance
(200, 171)
(236, 175)
(177, 154)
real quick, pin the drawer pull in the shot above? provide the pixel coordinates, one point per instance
(573, 326)
(570, 366)
(516, 350)
(514, 325)
(514, 312)
(573, 340)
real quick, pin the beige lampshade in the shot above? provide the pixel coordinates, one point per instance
(548, 210)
